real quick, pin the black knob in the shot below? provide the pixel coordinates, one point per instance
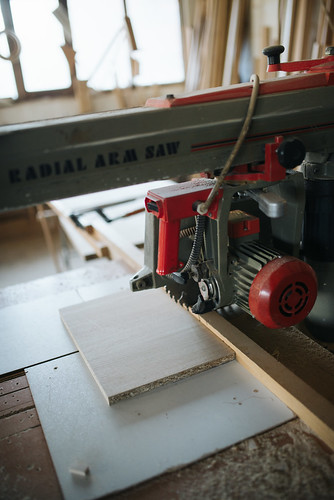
(273, 53)
(329, 51)
(291, 153)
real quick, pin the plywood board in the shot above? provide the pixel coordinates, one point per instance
(134, 342)
(139, 438)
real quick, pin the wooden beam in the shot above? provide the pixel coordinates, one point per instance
(48, 238)
(82, 246)
(234, 42)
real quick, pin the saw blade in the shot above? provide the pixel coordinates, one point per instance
(185, 295)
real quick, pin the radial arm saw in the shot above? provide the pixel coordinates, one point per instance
(268, 230)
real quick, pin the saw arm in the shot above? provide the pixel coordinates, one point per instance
(168, 137)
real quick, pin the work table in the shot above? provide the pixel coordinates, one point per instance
(287, 460)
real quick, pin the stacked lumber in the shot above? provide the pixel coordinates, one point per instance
(219, 35)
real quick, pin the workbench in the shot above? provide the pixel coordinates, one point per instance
(288, 460)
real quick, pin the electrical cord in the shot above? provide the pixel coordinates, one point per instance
(202, 208)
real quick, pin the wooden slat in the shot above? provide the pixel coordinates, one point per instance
(26, 469)
(100, 249)
(118, 245)
(299, 30)
(82, 246)
(134, 342)
(15, 401)
(13, 384)
(19, 422)
(234, 41)
(194, 60)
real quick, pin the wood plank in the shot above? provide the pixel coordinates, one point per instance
(18, 422)
(26, 467)
(233, 41)
(312, 408)
(119, 246)
(50, 243)
(100, 249)
(15, 402)
(133, 343)
(299, 30)
(81, 245)
(11, 385)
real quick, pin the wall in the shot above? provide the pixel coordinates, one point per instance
(54, 107)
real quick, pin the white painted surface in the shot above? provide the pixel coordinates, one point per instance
(88, 202)
(33, 332)
(105, 288)
(139, 438)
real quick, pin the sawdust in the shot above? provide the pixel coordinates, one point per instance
(100, 271)
(296, 351)
(288, 462)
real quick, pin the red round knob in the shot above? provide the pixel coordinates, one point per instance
(283, 292)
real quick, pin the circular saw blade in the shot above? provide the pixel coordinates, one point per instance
(185, 295)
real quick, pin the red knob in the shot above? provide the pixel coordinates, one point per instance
(283, 292)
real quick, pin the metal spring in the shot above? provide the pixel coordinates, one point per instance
(197, 244)
(187, 232)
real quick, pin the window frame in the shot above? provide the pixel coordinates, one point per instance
(22, 93)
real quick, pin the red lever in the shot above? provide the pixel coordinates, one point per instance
(325, 64)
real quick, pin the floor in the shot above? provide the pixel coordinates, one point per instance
(24, 255)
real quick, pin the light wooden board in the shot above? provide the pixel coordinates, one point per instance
(134, 342)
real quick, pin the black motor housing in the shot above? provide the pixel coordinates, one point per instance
(318, 249)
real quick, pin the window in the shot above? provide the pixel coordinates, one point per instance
(41, 65)
(98, 31)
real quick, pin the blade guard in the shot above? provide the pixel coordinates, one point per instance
(172, 204)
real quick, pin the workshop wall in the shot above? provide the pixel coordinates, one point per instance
(223, 39)
(54, 107)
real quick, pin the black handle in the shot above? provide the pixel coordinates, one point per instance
(273, 53)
